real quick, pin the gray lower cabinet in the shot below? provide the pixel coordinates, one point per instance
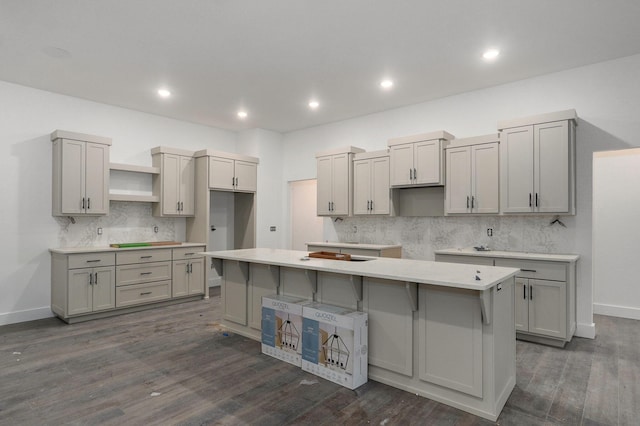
(94, 284)
(544, 295)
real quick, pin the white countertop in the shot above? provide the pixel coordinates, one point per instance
(416, 271)
(356, 245)
(76, 250)
(470, 251)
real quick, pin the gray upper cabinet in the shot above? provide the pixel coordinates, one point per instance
(335, 181)
(537, 159)
(418, 160)
(229, 174)
(473, 176)
(175, 183)
(80, 174)
(371, 183)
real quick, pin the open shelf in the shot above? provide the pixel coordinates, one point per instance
(134, 168)
(134, 197)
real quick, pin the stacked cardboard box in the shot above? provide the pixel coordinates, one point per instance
(282, 327)
(334, 344)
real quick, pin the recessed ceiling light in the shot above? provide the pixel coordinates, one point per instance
(314, 104)
(386, 84)
(164, 93)
(242, 114)
(491, 54)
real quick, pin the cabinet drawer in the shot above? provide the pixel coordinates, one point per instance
(90, 260)
(187, 253)
(142, 273)
(554, 271)
(141, 256)
(142, 293)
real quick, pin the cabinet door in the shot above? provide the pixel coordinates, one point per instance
(170, 189)
(361, 186)
(548, 308)
(187, 186)
(104, 288)
(97, 178)
(221, 174)
(485, 178)
(551, 173)
(73, 177)
(427, 157)
(264, 282)
(246, 176)
(401, 164)
(79, 291)
(196, 276)
(516, 157)
(324, 184)
(380, 196)
(458, 188)
(340, 189)
(179, 278)
(521, 298)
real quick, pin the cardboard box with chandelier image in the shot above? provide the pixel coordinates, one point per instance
(334, 344)
(282, 327)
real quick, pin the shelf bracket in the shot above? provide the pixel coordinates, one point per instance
(217, 265)
(275, 276)
(356, 285)
(312, 278)
(485, 306)
(244, 268)
(412, 294)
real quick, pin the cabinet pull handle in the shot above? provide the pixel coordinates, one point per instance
(467, 201)
(90, 278)
(88, 203)
(82, 203)
(189, 254)
(233, 181)
(191, 268)
(536, 199)
(473, 201)
(95, 280)
(410, 174)
(146, 257)
(371, 205)
(187, 269)
(145, 273)
(236, 181)
(93, 260)
(528, 270)
(530, 292)
(524, 292)
(415, 174)
(145, 293)
(178, 206)
(529, 199)
(181, 206)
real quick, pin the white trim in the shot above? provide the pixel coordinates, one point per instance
(26, 315)
(587, 331)
(616, 311)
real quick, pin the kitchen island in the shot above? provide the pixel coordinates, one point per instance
(442, 331)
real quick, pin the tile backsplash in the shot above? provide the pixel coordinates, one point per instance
(126, 222)
(421, 236)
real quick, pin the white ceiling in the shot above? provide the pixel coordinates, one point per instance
(271, 57)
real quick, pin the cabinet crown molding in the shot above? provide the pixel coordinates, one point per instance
(229, 155)
(65, 134)
(475, 140)
(568, 114)
(342, 150)
(440, 134)
(170, 150)
(372, 154)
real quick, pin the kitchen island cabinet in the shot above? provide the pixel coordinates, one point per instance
(442, 331)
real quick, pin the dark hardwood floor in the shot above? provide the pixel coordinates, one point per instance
(174, 365)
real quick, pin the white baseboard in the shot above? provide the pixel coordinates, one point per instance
(587, 331)
(26, 315)
(616, 311)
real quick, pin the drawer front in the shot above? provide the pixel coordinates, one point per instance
(142, 273)
(554, 271)
(142, 293)
(468, 260)
(142, 256)
(91, 260)
(186, 253)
